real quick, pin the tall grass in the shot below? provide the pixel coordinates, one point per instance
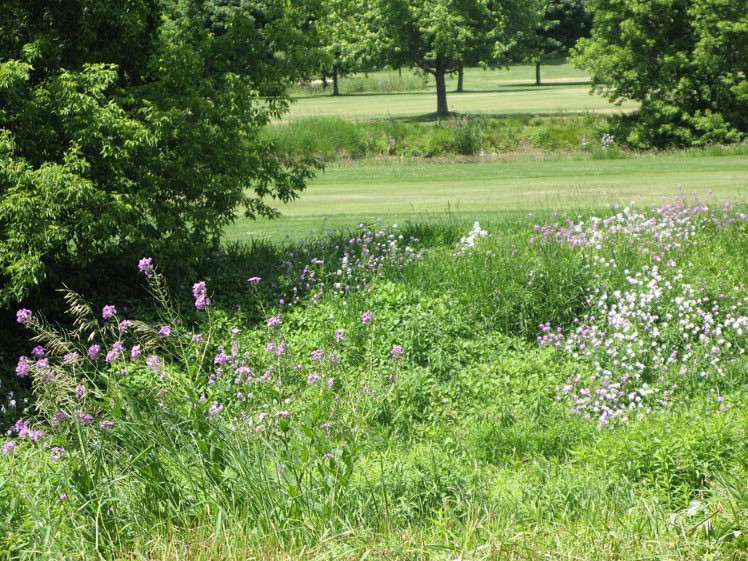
(396, 405)
(333, 137)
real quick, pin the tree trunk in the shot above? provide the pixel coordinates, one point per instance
(441, 91)
(399, 71)
(537, 73)
(335, 89)
(460, 78)
(324, 80)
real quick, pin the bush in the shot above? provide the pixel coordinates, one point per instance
(683, 60)
(147, 142)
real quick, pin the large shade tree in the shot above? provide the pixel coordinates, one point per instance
(134, 126)
(684, 61)
(437, 36)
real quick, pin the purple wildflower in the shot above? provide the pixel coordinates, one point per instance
(23, 316)
(339, 334)
(254, 281)
(108, 311)
(274, 321)
(38, 351)
(62, 498)
(80, 391)
(57, 453)
(165, 331)
(124, 325)
(25, 432)
(330, 382)
(71, 357)
(85, 418)
(135, 353)
(397, 352)
(93, 352)
(153, 362)
(115, 352)
(106, 425)
(220, 358)
(366, 317)
(145, 266)
(216, 408)
(318, 354)
(197, 337)
(8, 447)
(200, 292)
(313, 378)
(23, 367)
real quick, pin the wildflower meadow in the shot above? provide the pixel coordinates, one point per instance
(542, 386)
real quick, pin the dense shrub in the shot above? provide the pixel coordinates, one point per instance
(683, 60)
(136, 127)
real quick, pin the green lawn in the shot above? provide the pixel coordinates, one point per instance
(397, 191)
(503, 91)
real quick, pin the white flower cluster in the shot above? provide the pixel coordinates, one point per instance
(640, 344)
(468, 242)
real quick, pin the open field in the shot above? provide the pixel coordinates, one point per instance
(396, 191)
(498, 91)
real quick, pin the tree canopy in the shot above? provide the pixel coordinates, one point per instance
(437, 36)
(685, 61)
(134, 126)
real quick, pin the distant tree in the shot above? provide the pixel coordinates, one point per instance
(438, 36)
(564, 23)
(684, 61)
(339, 35)
(133, 127)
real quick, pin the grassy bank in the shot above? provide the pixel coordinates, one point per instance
(331, 138)
(541, 389)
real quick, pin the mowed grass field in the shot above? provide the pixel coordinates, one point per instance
(396, 191)
(490, 91)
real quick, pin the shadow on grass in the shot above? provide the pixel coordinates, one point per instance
(433, 117)
(528, 86)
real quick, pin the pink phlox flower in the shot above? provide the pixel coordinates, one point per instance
(145, 266)
(23, 316)
(200, 292)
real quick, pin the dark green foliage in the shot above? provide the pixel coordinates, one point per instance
(133, 128)
(683, 60)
